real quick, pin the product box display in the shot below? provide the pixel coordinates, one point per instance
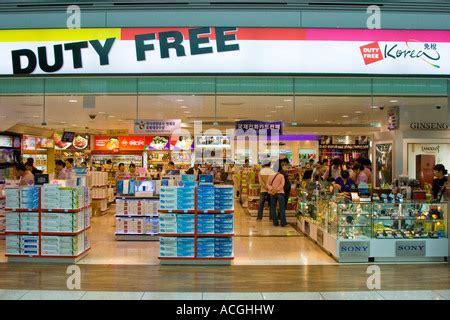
(205, 247)
(223, 247)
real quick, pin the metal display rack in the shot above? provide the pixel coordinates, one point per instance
(196, 259)
(47, 258)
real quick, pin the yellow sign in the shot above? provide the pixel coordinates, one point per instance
(117, 132)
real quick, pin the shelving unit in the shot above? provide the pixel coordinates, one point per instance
(196, 235)
(99, 191)
(132, 218)
(47, 241)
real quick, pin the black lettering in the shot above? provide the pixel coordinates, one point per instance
(76, 52)
(103, 51)
(141, 47)
(388, 53)
(195, 41)
(433, 58)
(17, 66)
(43, 61)
(165, 45)
(222, 38)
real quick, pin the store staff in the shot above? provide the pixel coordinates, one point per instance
(26, 177)
(121, 174)
(60, 171)
(69, 166)
(345, 183)
(439, 182)
(132, 171)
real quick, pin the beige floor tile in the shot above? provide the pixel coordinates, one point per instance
(53, 295)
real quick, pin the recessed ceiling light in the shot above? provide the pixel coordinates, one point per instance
(345, 116)
(180, 100)
(73, 101)
(393, 101)
(35, 117)
(358, 111)
(287, 100)
(63, 122)
(112, 116)
(2, 116)
(73, 125)
(374, 107)
(187, 112)
(120, 120)
(273, 111)
(268, 115)
(279, 107)
(328, 121)
(315, 120)
(294, 123)
(183, 107)
(101, 112)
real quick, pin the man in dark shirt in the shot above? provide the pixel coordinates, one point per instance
(439, 182)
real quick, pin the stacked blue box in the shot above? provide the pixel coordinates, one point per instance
(185, 198)
(29, 197)
(188, 178)
(168, 198)
(168, 223)
(185, 247)
(205, 223)
(205, 197)
(223, 223)
(185, 223)
(223, 247)
(223, 197)
(205, 247)
(168, 247)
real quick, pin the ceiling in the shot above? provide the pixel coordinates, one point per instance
(314, 114)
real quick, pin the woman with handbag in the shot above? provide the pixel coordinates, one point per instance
(275, 187)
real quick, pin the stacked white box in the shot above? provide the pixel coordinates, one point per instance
(67, 198)
(99, 178)
(63, 245)
(50, 196)
(29, 221)
(29, 245)
(168, 198)
(168, 246)
(12, 198)
(168, 223)
(13, 221)
(13, 244)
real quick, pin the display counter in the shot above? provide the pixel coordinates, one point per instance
(412, 231)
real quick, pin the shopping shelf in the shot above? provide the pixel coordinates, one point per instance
(219, 235)
(195, 258)
(21, 210)
(195, 211)
(66, 210)
(136, 234)
(45, 233)
(136, 216)
(177, 234)
(23, 233)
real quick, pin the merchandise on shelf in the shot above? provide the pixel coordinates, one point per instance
(2, 216)
(137, 206)
(99, 179)
(137, 225)
(99, 193)
(58, 221)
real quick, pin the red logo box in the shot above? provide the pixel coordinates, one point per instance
(371, 53)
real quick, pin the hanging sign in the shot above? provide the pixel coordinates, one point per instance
(131, 143)
(157, 126)
(259, 127)
(393, 121)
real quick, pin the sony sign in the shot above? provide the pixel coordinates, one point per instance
(348, 249)
(429, 126)
(410, 248)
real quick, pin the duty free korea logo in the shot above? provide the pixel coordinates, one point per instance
(411, 50)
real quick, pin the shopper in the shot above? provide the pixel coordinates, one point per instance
(195, 170)
(439, 182)
(367, 168)
(334, 170)
(275, 187)
(108, 165)
(287, 184)
(344, 183)
(60, 170)
(84, 164)
(25, 176)
(263, 177)
(309, 171)
(31, 167)
(359, 174)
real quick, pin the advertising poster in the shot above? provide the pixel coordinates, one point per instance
(181, 143)
(384, 167)
(157, 143)
(102, 143)
(80, 142)
(132, 143)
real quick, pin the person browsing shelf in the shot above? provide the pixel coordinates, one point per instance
(263, 177)
(25, 176)
(275, 187)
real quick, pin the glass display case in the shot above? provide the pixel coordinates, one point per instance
(354, 221)
(412, 220)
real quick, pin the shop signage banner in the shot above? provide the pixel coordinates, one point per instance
(31, 143)
(178, 143)
(80, 142)
(157, 143)
(267, 127)
(349, 249)
(117, 132)
(6, 141)
(410, 248)
(204, 50)
(384, 164)
(131, 143)
(103, 143)
(157, 126)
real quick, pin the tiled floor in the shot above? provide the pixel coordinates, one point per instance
(256, 243)
(105, 295)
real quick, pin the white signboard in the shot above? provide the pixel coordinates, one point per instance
(224, 50)
(156, 126)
